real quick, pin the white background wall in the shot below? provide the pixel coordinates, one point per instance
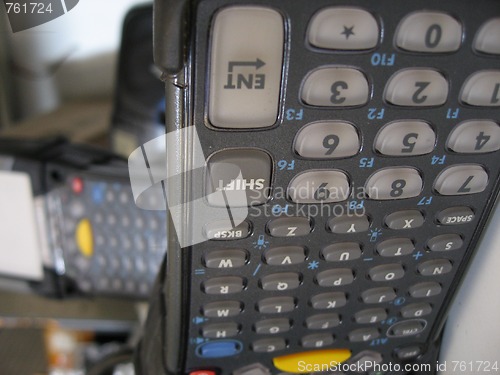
(472, 332)
(73, 56)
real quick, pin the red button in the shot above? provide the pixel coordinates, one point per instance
(203, 372)
(77, 185)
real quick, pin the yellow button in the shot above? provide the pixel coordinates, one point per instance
(84, 238)
(311, 361)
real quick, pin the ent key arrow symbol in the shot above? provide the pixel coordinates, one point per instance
(258, 63)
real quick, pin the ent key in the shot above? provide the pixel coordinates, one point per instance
(246, 63)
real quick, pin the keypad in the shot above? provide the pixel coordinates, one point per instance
(408, 219)
(445, 242)
(364, 334)
(417, 88)
(327, 140)
(104, 247)
(409, 137)
(335, 277)
(486, 40)
(326, 301)
(253, 369)
(327, 186)
(272, 326)
(276, 305)
(482, 89)
(366, 358)
(408, 353)
(475, 137)
(335, 87)
(223, 285)
(364, 183)
(434, 267)
(328, 29)
(455, 215)
(378, 295)
(395, 247)
(462, 179)
(394, 183)
(223, 230)
(235, 100)
(341, 252)
(416, 310)
(425, 289)
(317, 340)
(407, 328)
(238, 178)
(322, 321)
(289, 226)
(349, 224)
(220, 330)
(432, 32)
(222, 309)
(216, 349)
(231, 258)
(280, 281)
(370, 316)
(285, 255)
(386, 272)
(268, 345)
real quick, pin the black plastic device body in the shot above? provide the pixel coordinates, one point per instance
(183, 50)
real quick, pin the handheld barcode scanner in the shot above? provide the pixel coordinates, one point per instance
(71, 209)
(366, 134)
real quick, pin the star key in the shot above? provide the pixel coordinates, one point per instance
(344, 28)
(348, 31)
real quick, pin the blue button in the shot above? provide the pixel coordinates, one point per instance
(218, 349)
(98, 193)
